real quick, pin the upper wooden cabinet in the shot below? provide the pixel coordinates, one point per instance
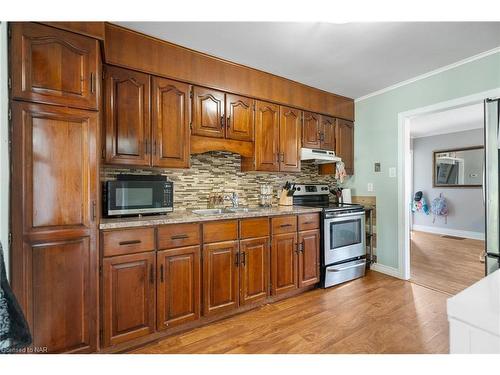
(208, 112)
(142, 130)
(240, 113)
(52, 66)
(344, 144)
(311, 130)
(170, 122)
(290, 141)
(267, 135)
(127, 116)
(220, 115)
(327, 133)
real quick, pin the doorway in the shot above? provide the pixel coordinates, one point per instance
(439, 251)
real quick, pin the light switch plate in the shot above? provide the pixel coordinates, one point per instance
(392, 172)
(370, 186)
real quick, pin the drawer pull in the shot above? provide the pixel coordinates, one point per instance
(131, 242)
(285, 225)
(179, 237)
(308, 222)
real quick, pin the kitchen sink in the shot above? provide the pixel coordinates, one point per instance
(218, 211)
(209, 211)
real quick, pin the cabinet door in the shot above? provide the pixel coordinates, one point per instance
(284, 263)
(266, 137)
(54, 247)
(208, 112)
(344, 145)
(254, 274)
(127, 117)
(52, 66)
(327, 133)
(128, 297)
(290, 139)
(178, 292)
(311, 130)
(170, 124)
(239, 117)
(220, 277)
(308, 257)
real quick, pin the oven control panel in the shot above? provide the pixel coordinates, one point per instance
(312, 189)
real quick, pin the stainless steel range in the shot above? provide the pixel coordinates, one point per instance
(343, 249)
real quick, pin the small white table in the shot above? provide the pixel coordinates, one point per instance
(474, 317)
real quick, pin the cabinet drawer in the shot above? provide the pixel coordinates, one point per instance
(255, 227)
(178, 235)
(220, 231)
(309, 221)
(284, 224)
(128, 241)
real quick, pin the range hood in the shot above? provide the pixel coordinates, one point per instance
(319, 156)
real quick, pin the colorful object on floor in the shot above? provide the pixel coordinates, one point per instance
(439, 207)
(419, 203)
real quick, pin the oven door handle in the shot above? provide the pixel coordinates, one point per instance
(346, 268)
(335, 216)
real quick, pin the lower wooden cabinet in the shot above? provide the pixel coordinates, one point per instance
(178, 286)
(308, 257)
(254, 270)
(220, 277)
(284, 263)
(128, 297)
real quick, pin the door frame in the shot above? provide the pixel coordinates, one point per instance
(405, 168)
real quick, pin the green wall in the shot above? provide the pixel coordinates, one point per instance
(376, 137)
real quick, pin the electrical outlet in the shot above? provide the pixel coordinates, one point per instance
(392, 172)
(370, 186)
(377, 167)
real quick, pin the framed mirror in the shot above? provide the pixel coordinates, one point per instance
(461, 167)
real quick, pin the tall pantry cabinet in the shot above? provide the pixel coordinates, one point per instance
(54, 112)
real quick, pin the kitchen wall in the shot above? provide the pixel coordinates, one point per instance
(220, 172)
(4, 146)
(465, 205)
(376, 137)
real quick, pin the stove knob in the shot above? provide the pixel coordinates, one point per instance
(298, 189)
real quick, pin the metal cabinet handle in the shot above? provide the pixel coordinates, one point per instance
(237, 262)
(131, 242)
(308, 222)
(93, 210)
(285, 225)
(222, 121)
(161, 273)
(92, 82)
(228, 121)
(145, 146)
(179, 237)
(151, 274)
(243, 259)
(154, 147)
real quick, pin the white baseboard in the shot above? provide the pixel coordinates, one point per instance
(391, 271)
(449, 232)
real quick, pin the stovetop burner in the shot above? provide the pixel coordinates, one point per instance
(317, 195)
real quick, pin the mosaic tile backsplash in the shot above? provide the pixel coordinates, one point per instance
(220, 172)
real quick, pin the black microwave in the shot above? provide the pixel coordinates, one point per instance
(138, 195)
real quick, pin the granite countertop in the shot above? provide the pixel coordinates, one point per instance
(186, 216)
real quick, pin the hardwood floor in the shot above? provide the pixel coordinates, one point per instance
(446, 264)
(374, 314)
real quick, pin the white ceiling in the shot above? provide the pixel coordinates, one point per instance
(352, 59)
(449, 121)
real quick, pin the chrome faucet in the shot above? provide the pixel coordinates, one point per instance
(233, 197)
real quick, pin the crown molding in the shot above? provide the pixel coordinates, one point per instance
(430, 74)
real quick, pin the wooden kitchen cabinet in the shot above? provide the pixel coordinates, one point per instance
(327, 133)
(284, 263)
(53, 66)
(208, 112)
(240, 114)
(344, 144)
(178, 286)
(290, 139)
(220, 277)
(128, 297)
(254, 272)
(170, 123)
(54, 229)
(308, 257)
(311, 130)
(127, 117)
(266, 137)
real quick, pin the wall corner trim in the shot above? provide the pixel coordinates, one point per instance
(429, 74)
